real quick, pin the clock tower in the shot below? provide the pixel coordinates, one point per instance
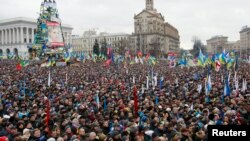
(149, 4)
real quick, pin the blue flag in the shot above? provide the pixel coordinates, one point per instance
(227, 90)
(97, 101)
(105, 104)
(112, 58)
(157, 100)
(161, 83)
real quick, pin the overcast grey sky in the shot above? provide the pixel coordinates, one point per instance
(202, 18)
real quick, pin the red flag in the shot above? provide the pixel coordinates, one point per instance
(217, 65)
(47, 113)
(135, 102)
(18, 67)
(139, 54)
(147, 57)
(108, 62)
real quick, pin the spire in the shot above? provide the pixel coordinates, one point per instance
(149, 4)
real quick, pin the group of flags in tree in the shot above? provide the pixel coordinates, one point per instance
(108, 58)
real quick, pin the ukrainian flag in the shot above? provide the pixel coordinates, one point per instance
(222, 58)
(49, 63)
(201, 59)
(152, 60)
(66, 56)
(24, 63)
(208, 61)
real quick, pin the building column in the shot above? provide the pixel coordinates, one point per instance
(5, 36)
(9, 35)
(14, 35)
(32, 35)
(17, 37)
(27, 35)
(2, 41)
(21, 30)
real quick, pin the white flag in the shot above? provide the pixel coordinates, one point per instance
(176, 82)
(229, 78)
(199, 88)
(243, 86)
(155, 80)
(237, 84)
(142, 88)
(66, 79)
(49, 79)
(136, 60)
(192, 107)
(147, 83)
(141, 60)
(133, 79)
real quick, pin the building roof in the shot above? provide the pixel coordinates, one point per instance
(216, 37)
(171, 26)
(25, 19)
(104, 35)
(153, 13)
(245, 29)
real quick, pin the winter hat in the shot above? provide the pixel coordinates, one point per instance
(51, 139)
(25, 130)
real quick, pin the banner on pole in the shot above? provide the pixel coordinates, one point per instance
(55, 38)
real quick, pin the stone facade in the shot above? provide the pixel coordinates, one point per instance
(152, 33)
(217, 44)
(245, 42)
(233, 45)
(17, 34)
(86, 42)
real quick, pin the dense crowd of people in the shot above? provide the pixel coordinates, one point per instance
(91, 102)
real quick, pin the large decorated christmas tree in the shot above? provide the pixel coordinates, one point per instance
(49, 39)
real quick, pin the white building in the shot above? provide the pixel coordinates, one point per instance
(17, 34)
(86, 42)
